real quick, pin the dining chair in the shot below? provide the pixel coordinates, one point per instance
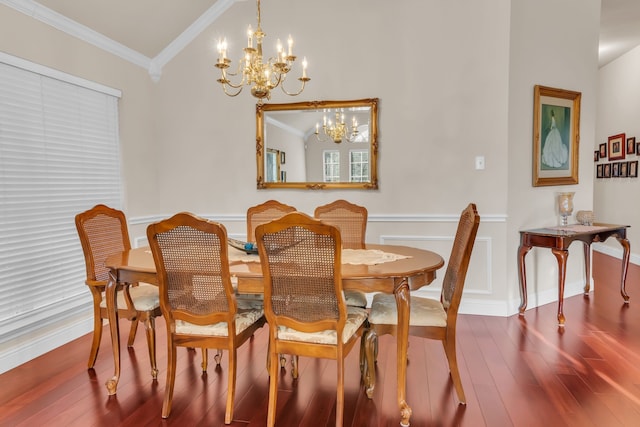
(351, 220)
(304, 303)
(103, 232)
(196, 295)
(429, 318)
(258, 215)
(263, 213)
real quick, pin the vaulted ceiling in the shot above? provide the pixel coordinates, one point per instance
(150, 32)
(146, 26)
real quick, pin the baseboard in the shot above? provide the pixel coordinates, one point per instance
(15, 352)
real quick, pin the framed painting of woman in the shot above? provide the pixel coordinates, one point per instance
(556, 136)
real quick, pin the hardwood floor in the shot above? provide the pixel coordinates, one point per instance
(516, 372)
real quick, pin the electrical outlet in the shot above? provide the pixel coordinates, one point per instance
(479, 163)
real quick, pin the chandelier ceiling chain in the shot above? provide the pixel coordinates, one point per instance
(260, 75)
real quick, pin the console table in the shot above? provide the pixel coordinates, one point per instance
(558, 240)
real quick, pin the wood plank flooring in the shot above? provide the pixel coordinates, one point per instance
(516, 372)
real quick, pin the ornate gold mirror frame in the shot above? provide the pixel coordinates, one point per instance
(317, 144)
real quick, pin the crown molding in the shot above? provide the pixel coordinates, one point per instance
(187, 36)
(153, 66)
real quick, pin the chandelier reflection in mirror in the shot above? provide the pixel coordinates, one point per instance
(339, 131)
(260, 75)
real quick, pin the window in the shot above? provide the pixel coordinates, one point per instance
(359, 166)
(59, 155)
(331, 162)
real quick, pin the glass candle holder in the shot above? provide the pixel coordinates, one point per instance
(565, 205)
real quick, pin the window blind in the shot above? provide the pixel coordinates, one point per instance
(59, 155)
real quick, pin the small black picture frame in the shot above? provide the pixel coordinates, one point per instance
(283, 158)
(603, 150)
(615, 170)
(624, 167)
(600, 171)
(631, 145)
(633, 169)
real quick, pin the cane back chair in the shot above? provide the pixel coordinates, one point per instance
(103, 232)
(351, 220)
(196, 295)
(263, 213)
(430, 318)
(304, 303)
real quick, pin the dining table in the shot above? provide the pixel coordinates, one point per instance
(392, 269)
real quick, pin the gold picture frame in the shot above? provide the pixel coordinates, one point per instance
(556, 136)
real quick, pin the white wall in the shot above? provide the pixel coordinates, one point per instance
(616, 199)
(553, 43)
(440, 70)
(455, 80)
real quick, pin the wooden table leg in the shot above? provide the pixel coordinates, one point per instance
(625, 266)
(112, 310)
(522, 251)
(587, 267)
(561, 256)
(402, 302)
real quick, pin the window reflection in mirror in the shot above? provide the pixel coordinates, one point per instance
(273, 165)
(328, 144)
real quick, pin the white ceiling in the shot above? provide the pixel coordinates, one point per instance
(148, 27)
(619, 28)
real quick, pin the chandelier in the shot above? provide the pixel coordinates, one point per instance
(260, 75)
(337, 131)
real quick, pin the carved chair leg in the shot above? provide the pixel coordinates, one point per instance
(370, 352)
(450, 350)
(132, 332)
(273, 388)
(340, 393)
(228, 416)
(294, 366)
(205, 359)
(171, 379)
(150, 326)
(97, 336)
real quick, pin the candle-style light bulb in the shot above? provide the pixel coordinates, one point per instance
(279, 49)
(290, 42)
(250, 36)
(304, 68)
(222, 51)
(219, 50)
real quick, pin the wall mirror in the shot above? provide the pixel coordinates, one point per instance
(317, 144)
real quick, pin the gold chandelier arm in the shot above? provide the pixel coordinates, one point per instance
(317, 134)
(236, 73)
(304, 81)
(224, 81)
(224, 88)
